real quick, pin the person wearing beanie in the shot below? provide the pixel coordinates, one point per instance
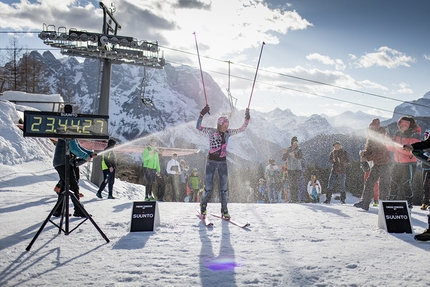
(293, 157)
(108, 168)
(217, 158)
(375, 151)
(338, 159)
(375, 124)
(405, 163)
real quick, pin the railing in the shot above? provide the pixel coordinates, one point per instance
(56, 106)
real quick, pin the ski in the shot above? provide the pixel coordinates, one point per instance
(205, 220)
(246, 225)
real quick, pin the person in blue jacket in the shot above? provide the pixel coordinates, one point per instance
(59, 164)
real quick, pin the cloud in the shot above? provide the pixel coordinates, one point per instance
(379, 113)
(384, 57)
(367, 84)
(427, 57)
(402, 88)
(192, 4)
(343, 105)
(338, 63)
(49, 12)
(224, 27)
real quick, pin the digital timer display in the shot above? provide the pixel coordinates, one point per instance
(65, 125)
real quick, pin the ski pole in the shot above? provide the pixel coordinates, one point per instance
(255, 77)
(201, 71)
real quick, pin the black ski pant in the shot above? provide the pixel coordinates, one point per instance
(73, 184)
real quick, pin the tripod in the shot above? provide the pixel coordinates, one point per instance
(64, 202)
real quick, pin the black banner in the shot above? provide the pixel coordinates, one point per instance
(143, 216)
(396, 216)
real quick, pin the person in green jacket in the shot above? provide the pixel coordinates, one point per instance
(194, 185)
(108, 168)
(151, 167)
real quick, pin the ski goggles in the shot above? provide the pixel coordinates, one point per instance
(222, 121)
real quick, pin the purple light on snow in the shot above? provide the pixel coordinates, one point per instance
(221, 264)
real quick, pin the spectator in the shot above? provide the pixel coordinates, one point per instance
(425, 144)
(161, 177)
(376, 151)
(338, 158)
(217, 158)
(426, 177)
(174, 171)
(151, 167)
(293, 156)
(405, 163)
(194, 185)
(314, 189)
(272, 175)
(261, 191)
(284, 181)
(183, 179)
(108, 168)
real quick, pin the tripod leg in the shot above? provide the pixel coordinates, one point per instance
(60, 201)
(78, 205)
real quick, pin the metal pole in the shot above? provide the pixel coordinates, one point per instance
(255, 77)
(201, 71)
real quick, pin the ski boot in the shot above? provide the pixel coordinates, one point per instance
(424, 206)
(224, 214)
(362, 205)
(425, 236)
(203, 210)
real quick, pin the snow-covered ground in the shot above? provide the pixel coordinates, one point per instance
(286, 244)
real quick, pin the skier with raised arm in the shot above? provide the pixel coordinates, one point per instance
(217, 158)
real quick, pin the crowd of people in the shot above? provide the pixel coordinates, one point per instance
(388, 165)
(387, 162)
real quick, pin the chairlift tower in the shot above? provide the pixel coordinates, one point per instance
(110, 48)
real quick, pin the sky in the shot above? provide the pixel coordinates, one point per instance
(300, 244)
(319, 56)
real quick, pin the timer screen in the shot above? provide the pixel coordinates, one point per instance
(65, 125)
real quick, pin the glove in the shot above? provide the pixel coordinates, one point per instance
(205, 111)
(247, 116)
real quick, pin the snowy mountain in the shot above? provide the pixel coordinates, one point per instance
(419, 107)
(352, 119)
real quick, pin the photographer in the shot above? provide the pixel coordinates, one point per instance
(59, 163)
